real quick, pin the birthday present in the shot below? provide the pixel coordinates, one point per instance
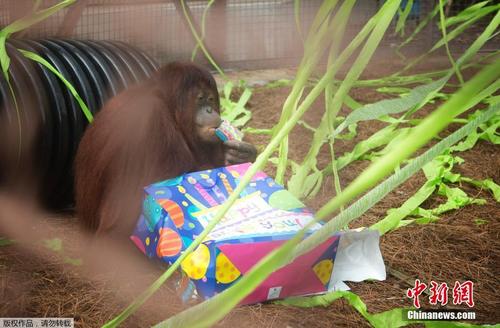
(176, 211)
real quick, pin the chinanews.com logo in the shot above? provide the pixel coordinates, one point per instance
(438, 294)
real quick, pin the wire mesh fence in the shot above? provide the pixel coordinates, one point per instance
(239, 33)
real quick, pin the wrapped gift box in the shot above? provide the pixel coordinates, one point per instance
(176, 211)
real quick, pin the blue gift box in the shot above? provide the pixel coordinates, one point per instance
(176, 211)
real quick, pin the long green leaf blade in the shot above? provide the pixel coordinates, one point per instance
(391, 106)
(38, 59)
(400, 25)
(420, 135)
(22, 24)
(383, 19)
(378, 193)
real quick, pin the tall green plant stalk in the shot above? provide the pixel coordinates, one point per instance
(403, 16)
(199, 41)
(447, 46)
(326, 80)
(340, 22)
(477, 15)
(316, 43)
(296, 14)
(203, 28)
(418, 29)
(379, 24)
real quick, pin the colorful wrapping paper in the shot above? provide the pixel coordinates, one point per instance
(176, 211)
(226, 131)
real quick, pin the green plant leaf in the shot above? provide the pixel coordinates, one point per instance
(419, 28)
(54, 244)
(392, 106)
(315, 44)
(340, 21)
(400, 25)
(478, 43)
(38, 59)
(489, 133)
(390, 145)
(296, 14)
(396, 90)
(374, 35)
(482, 38)
(199, 41)
(393, 318)
(455, 199)
(351, 103)
(33, 18)
(203, 29)
(479, 222)
(378, 139)
(367, 201)
(4, 57)
(465, 14)
(486, 184)
(22, 24)
(236, 113)
(436, 172)
(17, 26)
(257, 131)
(352, 128)
(421, 134)
(392, 221)
(313, 182)
(6, 241)
(445, 38)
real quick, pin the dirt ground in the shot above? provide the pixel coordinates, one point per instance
(454, 248)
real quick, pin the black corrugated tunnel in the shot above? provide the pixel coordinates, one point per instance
(42, 124)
